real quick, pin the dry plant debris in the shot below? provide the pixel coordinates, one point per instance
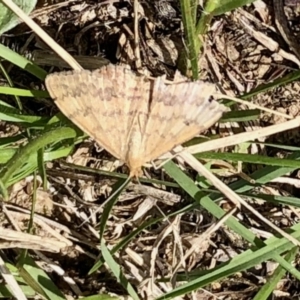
(241, 53)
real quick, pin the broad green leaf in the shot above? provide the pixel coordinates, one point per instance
(8, 19)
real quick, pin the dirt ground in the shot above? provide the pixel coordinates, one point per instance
(237, 56)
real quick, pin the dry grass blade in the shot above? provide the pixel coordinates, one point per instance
(11, 281)
(172, 227)
(137, 120)
(138, 62)
(42, 34)
(236, 199)
(200, 240)
(14, 239)
(253, 105)
(241, 137)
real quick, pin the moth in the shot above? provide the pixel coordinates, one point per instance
(135, 118)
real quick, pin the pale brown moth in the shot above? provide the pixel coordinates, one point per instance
(135, 118)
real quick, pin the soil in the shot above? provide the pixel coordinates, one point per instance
(237, 57)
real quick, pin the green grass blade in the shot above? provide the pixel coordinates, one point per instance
(22, 62)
